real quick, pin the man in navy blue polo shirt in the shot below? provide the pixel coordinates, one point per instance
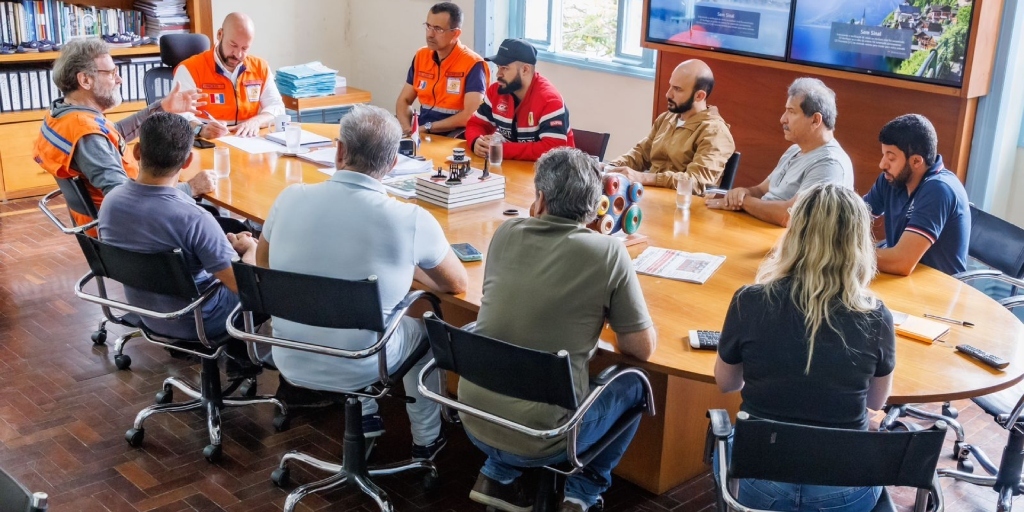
(927, 215)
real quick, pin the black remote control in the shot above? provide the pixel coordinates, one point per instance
(989, 359)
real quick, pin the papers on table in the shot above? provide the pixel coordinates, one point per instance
(678, 265)
(324, 157)
(403, 185)
(306, 80)
(306, 139)
(254, 145)
(407, 166)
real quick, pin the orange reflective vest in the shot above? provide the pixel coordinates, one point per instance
(224, 101)
(442, 87)
(55, 147)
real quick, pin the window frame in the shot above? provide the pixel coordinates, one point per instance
(621, 64)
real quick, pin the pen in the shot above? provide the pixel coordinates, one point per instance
(949, 320)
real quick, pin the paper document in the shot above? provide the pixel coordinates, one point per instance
(323, 157)
(407, 166)
(403, 186)
(254, 145)
(678, 265)
(307, 139)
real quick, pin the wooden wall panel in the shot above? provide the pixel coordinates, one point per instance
(751, 98)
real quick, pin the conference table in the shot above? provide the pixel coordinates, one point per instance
(668, 447)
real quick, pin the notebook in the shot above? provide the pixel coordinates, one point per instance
(308, 139)
(920, 329)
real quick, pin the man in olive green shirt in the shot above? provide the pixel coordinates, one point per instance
(551, 284)
(689, 139)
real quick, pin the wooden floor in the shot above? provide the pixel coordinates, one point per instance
(64, 408)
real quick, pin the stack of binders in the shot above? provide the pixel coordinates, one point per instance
(470, 190)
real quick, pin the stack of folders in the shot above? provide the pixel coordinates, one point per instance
(32, 87)
(306, 80)
(471, 190)
(164, 17)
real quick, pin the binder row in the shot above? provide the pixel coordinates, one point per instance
(22, 21)
(32, 88)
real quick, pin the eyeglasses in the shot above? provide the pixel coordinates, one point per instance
(436, 29)
(112, 72)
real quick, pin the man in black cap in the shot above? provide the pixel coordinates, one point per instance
(522, 106)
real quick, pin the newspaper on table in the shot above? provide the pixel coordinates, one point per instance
(678, 265)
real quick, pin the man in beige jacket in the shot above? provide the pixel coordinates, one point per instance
(690, 139)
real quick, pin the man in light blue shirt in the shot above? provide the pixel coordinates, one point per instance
(348, 228)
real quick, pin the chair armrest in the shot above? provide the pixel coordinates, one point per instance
(392, 322)
(713, 191)
(986, 273)
(45, 207)
(721, 426)
(1012, 302)
(124, 306)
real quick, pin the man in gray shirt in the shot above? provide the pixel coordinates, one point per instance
(815, 156)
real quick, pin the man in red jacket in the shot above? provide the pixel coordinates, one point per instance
(522, 106)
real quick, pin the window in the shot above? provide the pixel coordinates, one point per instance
(594, 34)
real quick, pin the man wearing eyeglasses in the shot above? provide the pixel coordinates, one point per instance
(77, 140)
(447, 78)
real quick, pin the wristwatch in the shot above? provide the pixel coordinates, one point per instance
(198, 128)
(427, 126)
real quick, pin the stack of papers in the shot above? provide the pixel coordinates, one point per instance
(306, 80)
(678, 265)
(164, 17)
(917, 328)
(472, 189)
(306, 140)
(324, 157)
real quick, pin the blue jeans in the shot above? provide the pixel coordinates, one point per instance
(769, 495)
(621, 395)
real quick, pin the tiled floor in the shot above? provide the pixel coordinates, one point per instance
(64, 408)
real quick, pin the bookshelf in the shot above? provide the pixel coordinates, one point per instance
(20, 176)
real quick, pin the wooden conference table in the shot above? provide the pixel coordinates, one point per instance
(668, 448)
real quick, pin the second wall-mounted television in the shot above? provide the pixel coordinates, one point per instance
(923, 40)
(758, 28)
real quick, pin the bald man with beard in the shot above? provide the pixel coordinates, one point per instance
(239, 88)
(689, 139)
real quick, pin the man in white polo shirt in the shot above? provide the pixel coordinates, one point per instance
(348, 228)
(815, 156)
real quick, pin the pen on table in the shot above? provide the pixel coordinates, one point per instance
(949, 320)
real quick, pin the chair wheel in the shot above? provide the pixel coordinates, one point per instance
(134, 437)
(248, 388)
(122, 362)
(99, 337)
(949, 411)
(965, 465)
(164, 397)
(212, 453)
(281, 477)
(431, 483)
(281, 422)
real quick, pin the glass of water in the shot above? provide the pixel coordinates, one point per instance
(494, 152)
(684, 192)
(293, 137)
(222, 161)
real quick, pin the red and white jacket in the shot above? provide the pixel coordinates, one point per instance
(538, 124)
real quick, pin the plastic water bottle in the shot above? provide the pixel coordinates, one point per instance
(494, 150)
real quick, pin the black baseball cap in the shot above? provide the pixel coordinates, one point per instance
(513, 50)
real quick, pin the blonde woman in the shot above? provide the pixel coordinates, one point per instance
(809, 343)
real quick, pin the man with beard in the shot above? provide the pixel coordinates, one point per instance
(815, 156)
(927, 214)
(75, 138)
(522, 106)
(689, 139)
(239, 89)
(446, 77)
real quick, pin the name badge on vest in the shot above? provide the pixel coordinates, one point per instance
(422, 85)
(252, 92)
(454, 85)
(217, 99)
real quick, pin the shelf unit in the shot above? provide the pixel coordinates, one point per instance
(20, 176)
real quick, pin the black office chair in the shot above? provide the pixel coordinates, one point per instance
(591, 143)
(532, 375)
(333, 304)
(174, 48)
(167, 273)
(786, 452)
(999, 245)
(728, 175)
(14, 497)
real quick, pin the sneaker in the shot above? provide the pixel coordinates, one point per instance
(373, 425)
(571, 506)
(429, 451)
(506, 497)
(301, 398)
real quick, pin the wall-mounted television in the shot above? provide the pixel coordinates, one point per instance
(750, 27)
(923, 40)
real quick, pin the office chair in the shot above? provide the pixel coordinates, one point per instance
(167, 273)
(334, 304)
(14, 497)
(174, 48)
(786, 452)
(591, 143)
(999, 245)
(728, 175)
(532, 375)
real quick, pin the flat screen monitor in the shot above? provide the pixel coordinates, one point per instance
(751, 27)
(923, 40)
